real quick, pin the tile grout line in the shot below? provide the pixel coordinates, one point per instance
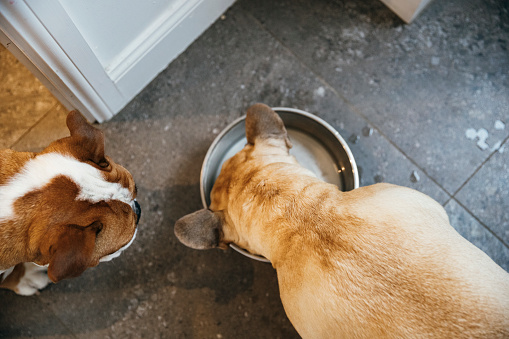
(453, 197)
(480, 222)
(353, 108)
(34, 125)
(389, 140)
(359, 113)
(479, 167)
(488, 158)
(56, 317)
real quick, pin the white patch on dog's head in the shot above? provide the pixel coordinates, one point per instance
(39, 171)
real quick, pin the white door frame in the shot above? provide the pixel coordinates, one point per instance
(43, 37)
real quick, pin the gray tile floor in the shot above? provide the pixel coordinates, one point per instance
(423, 89)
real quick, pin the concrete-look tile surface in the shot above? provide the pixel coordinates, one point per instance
(28, 317)
(436, 78)
(249, 66)
(406, 98)
(23, 99)
(486, 195)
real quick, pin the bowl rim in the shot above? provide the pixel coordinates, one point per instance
(220, 136)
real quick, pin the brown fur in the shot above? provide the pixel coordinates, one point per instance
(50, 226)
(379, 261)
(12, 280)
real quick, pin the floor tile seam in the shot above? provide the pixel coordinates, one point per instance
(56, 317)
(393, 144)
(447, 201)
(480, 222)
(12, 102)
(21, 96)
(349, 104)
(488, 158)
(35, 124)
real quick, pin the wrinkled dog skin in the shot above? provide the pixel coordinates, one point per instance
(378, 261)
(63, 210)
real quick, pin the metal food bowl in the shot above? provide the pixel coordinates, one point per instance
(317, 146)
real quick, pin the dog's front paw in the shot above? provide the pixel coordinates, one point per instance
(35, 278)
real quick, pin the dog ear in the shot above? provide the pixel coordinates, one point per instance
(200, 230)
(71, 253)
(89, 140)
(263, 122)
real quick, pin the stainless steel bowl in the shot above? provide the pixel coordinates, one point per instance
(316, 145)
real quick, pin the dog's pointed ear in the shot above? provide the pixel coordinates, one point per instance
(263, 122)
(88, 139)
(201, 230)
(71, 253)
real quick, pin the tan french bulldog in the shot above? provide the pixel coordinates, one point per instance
(377, 262)
(63, 210)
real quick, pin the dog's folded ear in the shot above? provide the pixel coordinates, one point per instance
(89, 140)
(262, 122)
(200, 230)
(70, 254)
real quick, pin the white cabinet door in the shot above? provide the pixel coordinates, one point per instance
(96, 55)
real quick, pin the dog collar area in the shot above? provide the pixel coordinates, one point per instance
(249, 254)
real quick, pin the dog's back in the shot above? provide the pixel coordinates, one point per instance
(384, 261)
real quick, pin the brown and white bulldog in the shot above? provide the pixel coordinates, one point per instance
(377, 262)
(63, 210)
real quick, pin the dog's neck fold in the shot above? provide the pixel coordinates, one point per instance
(262, 211)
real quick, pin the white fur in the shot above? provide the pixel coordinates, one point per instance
(39, 171)
(35, 278)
